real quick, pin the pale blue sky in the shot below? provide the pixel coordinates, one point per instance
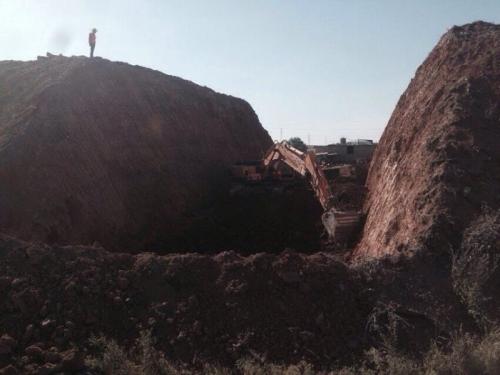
(309, 67)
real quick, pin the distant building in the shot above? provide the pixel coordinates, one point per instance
(347, 151)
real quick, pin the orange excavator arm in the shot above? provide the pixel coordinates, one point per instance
(338, 224)
(305, 164)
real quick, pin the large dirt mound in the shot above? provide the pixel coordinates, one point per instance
(93, 150)
(438, 160)
(202, 309)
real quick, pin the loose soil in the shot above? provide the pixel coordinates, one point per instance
(437, 162)
(101, 151)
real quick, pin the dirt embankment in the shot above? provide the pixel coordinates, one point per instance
(438, 161)
(93, 150)
(202, 309)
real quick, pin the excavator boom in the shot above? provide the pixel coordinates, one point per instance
(338, 224)
(305, 164)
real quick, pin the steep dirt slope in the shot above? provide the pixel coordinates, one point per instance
(93, 150)
(438, 160)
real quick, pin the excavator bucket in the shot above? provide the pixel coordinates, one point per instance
(340, 225)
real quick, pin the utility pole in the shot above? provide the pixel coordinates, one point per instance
(281, 134)
(308, 139)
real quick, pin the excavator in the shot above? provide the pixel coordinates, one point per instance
(338, 224)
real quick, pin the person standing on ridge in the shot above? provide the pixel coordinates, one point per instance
(92, 39)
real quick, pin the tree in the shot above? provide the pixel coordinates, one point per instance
(298, 144)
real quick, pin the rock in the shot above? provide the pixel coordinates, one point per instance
(7, 344)
(34, 351)
(48, 325)
(117, 300)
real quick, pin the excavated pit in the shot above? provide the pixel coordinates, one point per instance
(94, 152)
(254, 218)
(436, 164)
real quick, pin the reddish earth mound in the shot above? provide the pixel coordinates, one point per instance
(438, 160)
(202, 309)
(93, 150)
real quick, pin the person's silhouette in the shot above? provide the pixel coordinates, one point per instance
(92, 39)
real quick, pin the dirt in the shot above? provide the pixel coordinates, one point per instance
(438, 161)
(216, 309)
(202, 309)
(432, 176)
(101, 151)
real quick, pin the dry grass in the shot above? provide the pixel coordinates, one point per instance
(464, 355)
(144, 359)
(476, 268)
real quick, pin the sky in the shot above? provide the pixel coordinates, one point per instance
(316, 69)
